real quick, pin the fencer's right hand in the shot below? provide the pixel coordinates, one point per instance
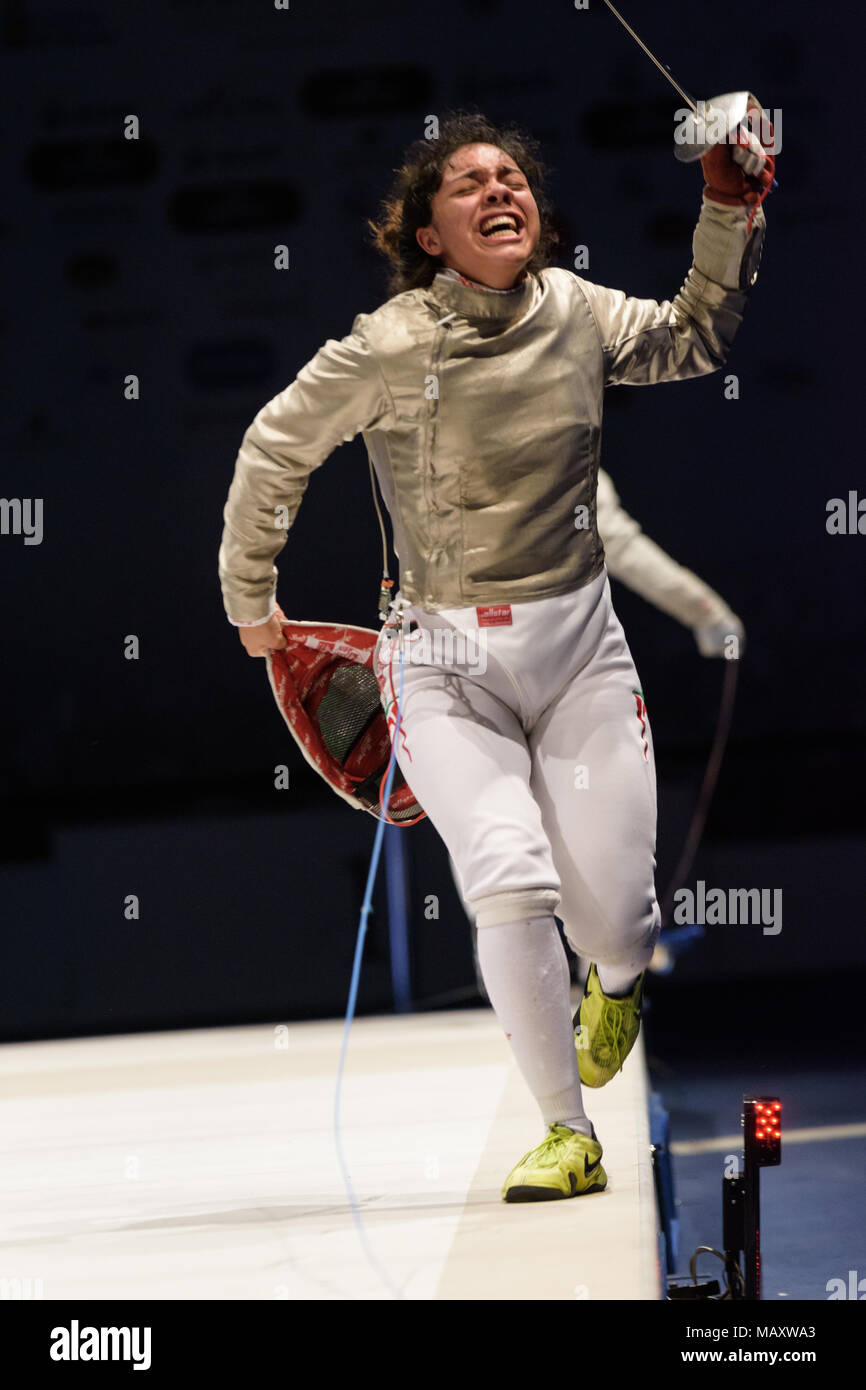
(739, 172)
(267, 637)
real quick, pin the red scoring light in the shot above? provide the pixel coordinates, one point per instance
(763, 1124)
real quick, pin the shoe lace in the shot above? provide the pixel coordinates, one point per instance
(542, 1152)
(612, 1029)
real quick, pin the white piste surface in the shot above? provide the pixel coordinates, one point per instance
(202, 1165)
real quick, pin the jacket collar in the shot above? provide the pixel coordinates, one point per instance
(481, 304)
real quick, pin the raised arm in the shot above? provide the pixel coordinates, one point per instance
(645, 341)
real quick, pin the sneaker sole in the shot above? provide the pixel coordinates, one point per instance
(526, 1193)
(598, 1080)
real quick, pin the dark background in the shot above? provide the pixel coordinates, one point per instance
(155, 257)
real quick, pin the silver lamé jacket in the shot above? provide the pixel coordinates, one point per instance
(482, 415)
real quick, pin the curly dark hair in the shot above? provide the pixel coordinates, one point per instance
(408, 205)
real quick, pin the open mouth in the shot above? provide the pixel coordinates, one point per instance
(499, 226)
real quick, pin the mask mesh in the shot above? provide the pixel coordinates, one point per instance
(347, 709)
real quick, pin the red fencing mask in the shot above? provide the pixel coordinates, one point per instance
(328, 694)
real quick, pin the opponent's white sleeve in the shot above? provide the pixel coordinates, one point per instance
(638, 562)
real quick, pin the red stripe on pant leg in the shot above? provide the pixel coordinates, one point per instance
(641, 714)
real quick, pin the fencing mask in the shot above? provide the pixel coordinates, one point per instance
(327, 692)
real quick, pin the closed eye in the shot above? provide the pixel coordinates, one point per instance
(511, 176)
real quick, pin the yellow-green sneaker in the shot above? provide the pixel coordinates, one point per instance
(565, 1164)
(605, 1030)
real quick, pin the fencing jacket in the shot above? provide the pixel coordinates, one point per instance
(482, 416)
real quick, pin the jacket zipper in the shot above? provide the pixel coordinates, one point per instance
(442, 326)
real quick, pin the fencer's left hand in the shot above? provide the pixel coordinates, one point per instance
(714, 638)
(265, 637)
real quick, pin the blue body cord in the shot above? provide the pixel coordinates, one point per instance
(366, 909)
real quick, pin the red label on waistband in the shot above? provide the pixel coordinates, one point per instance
(494, 615)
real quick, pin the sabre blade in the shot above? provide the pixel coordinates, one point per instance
(661, 69)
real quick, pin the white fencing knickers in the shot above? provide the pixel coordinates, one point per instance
(528, 745)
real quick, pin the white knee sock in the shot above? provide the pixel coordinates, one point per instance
(526, 975)
(617, 980)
